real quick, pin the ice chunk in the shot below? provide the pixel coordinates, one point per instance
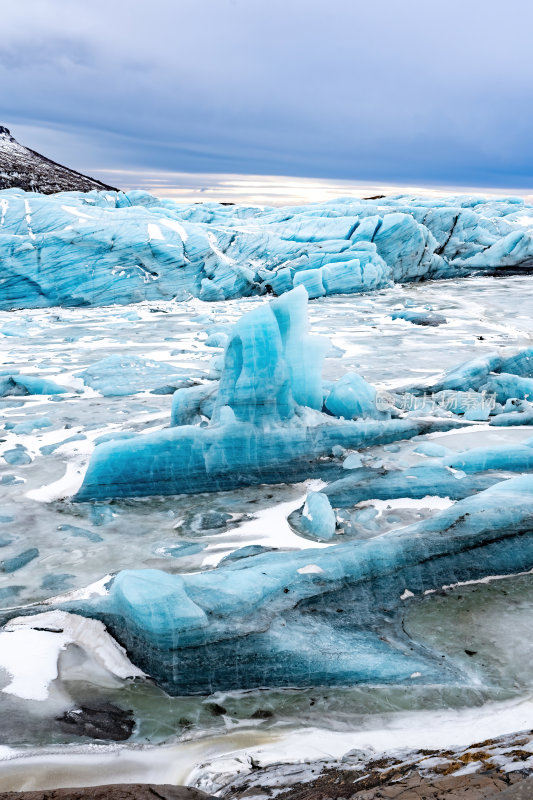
(474, 375)
(188, 404)
(505, 386)
(427, 318)
(431, 449)
(31, 425)
(517, 412)
(74, 530)
(19, 561)
(517, 458)
(271, 363)
(415, 482)
(353, 461)
(118, 375)
(352, 397)
(28, 384)
(19, 455)
(318, 518)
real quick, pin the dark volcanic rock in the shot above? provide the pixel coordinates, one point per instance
(23, 168)
(104, 721)
(120, 791)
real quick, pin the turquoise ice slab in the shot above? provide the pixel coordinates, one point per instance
(508, 376)
(16, 384)
(454, 475)
(314, 616)
(189, 460)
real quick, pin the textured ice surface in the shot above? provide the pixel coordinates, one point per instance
(314, 617)
(123, 375)
(352, 397)
(13, 385)
(100, 248)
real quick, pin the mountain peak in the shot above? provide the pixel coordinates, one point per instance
(5, 133)
(22, 168)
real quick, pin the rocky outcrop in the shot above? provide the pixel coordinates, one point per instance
(496, 768)
(23, 168)
(116, 791)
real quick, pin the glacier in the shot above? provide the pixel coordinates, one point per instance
(107, 247)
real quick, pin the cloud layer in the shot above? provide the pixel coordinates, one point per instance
(437, 91)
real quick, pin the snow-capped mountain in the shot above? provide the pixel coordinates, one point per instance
(23, 168)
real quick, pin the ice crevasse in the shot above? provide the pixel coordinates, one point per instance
(101, 248)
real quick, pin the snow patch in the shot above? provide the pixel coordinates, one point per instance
(30, 649)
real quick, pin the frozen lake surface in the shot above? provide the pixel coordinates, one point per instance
(51, 546)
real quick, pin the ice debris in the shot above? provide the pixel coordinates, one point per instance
(318, 517)
(15, 384)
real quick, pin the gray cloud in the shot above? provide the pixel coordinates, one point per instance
(413, 90)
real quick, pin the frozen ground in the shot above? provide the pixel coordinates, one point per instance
(50, 545)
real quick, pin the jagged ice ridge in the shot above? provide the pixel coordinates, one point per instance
(104, 247)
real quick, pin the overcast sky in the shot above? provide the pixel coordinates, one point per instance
(434, 91)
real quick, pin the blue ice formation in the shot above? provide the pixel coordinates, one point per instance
(266, 423)
(515, 412)
(29, 425)
(493, 371)
(102, 248)
(328, 616)
(18, 455)
(17, 562)
(427, 318)
(352, 397)
(16, 384)
(449, 474)
(445, 473)
(505, 386)
(496, 386)
(416, 482)
(318, 517)
(120, 375)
